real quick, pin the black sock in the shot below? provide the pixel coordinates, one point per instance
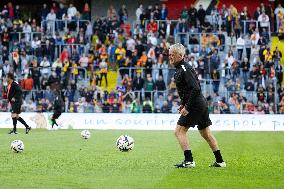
(14, 124)
(23, 122)
(53, 122)
(218, 156)
(188, 155)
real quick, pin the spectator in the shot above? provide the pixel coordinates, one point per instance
(160, 85)
(281, 32)
(193, 63)
(152, 26)
(123, 14)
(71, 11)
(165, 108)
(139, 11)
(138, 83)
(192, 15)
(279, 13)
(28, 83)
(103, 71)
(135, 106)
(223, 107)
(86, 12)
(245, 66)
(184, 13)
(45, 65)
(215, 76)
(279, 73)
(240, 46)
(175, 108)
(201, 13)
(51, 18)
(149, 86)
(164, 12)
(27, 31)
(148, 106)
(111, 13)
(263, 20)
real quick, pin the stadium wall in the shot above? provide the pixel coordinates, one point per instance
(221, 122)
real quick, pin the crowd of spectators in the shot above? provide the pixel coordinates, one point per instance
(62, 48)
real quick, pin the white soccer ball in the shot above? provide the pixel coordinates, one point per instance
(85, 134)
(125, 143)
(17, 146)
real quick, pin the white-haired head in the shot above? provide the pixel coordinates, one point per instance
(176, 53)
(178, 48)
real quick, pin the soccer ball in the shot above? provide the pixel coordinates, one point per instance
(125, 143)
(17, 146)
(85, 134)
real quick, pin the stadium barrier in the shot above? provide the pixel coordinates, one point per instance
(221, 122)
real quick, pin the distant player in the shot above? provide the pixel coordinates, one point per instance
(57, 107)
(193, 108)
(14, 95)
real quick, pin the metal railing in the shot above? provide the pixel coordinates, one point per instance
(184, 38)
(28, 36)
(53, 26)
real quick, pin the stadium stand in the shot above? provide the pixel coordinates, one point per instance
(115, 64)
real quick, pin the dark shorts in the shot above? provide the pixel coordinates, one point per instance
(56, 115)
(16, 108)
(201, 119)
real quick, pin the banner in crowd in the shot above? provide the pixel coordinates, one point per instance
(230, 122)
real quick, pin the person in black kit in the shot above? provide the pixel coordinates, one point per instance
(57, 107)
(14, 96)
(193, 108)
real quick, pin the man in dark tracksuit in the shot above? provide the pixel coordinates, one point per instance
(57, 107)
(14, 96)
(193, 108)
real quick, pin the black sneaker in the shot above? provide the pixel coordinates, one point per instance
(12, 132)
(216, 164)
(28, 130)
(186, 164)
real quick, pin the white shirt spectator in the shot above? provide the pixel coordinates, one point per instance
(130, 44)
(35, 43)
(66, 17)
(27, 29)
(151, 54)
(193, 63)
(152, 39)
(51, 16)
(45, 64)
(254, 38)
(6, 68)
(84, 61)
(279, 8)
(264, 20)
(57, 64)
(139, 11)
(240, 43)
(24, 61)
(89, 30)
(230, 60)
(72, 11)
(137, 31)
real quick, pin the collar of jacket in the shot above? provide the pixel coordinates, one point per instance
(178, 65)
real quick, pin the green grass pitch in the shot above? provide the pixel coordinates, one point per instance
(61, 159)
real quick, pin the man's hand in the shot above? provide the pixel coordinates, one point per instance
(184, 112)
(13, 99)
(180, 108)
